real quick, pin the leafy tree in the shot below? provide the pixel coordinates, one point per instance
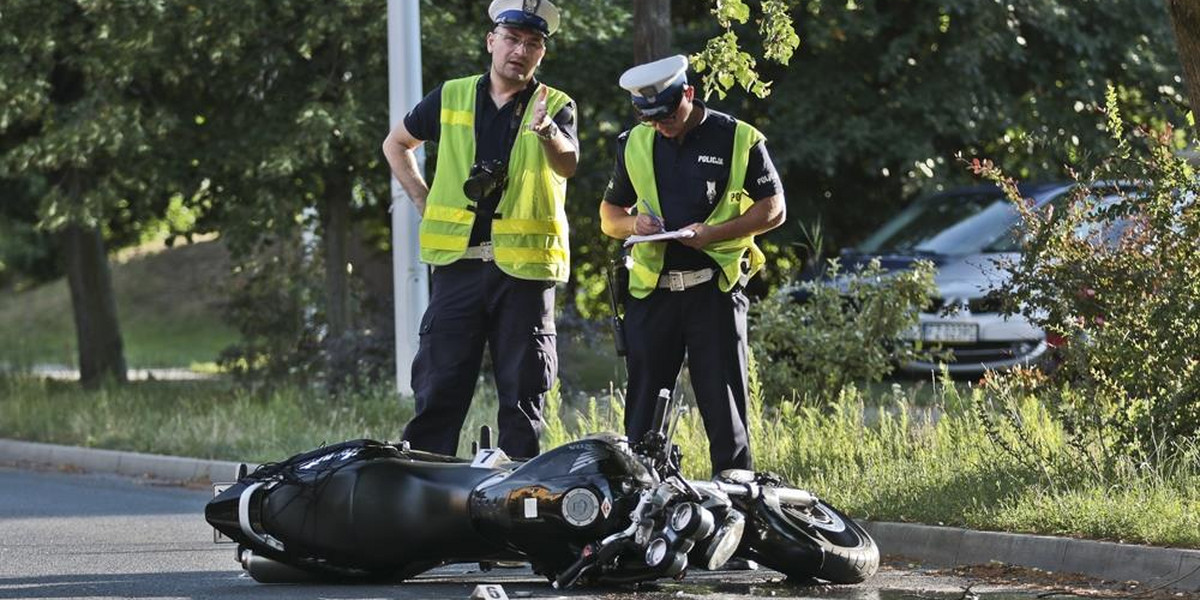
(285, 141)
(1185, 20)
(880, 95)
(264, 120)
(651, 30)
(27, 254)
(80, 83)
(724, 62)
(284, 122)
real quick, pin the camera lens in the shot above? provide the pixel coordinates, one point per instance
(475, 188)
(485, 179)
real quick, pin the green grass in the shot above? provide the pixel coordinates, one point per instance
(206, 419)
(873, 451)
(167, 304)
(898, 467)
(589, 363)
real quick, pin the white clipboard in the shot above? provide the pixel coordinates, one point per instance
(659, 237)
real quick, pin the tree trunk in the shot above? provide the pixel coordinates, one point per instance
(651, 30)
(1185, 20)
(336, 238)
(101, 352)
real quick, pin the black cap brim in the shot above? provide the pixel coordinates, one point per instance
(523, 20)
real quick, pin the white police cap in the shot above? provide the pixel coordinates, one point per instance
(538, 15)
(656, 87)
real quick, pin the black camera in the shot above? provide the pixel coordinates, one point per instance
(486, 178)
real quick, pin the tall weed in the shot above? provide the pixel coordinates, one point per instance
(962, 462)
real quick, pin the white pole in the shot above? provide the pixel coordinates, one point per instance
(411, 278)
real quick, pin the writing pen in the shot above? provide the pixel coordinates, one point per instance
(650, 211)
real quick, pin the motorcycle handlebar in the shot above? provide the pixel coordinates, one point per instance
(660, 411)
(786, 495)
(795, 497)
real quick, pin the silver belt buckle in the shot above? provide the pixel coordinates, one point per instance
(482, 252)
(675, 281)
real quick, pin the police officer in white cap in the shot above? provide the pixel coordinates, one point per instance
(494, 228)
(689, 168)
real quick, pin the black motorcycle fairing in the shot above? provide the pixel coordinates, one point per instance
(306, 469)
(366, 505)
(524, 510)
(364, 510)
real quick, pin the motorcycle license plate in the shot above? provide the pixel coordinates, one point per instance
(218, 537)
(960, 333)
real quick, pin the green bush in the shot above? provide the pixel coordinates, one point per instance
(270, 304)
(276, 301)
(1116, 274)
(846, 330)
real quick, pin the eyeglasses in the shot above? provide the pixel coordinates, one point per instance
(530, 45)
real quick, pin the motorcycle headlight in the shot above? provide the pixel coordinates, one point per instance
(691, 520)
(657, 551)
(725, 541)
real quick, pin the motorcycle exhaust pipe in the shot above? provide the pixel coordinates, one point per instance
(268, 570)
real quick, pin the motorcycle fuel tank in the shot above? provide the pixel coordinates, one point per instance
(571, 495)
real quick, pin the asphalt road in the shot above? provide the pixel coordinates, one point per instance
(72, 535)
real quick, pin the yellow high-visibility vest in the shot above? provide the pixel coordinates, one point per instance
(530, 235)
(647, 257)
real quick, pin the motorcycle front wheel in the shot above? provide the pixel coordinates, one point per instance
(818, 541)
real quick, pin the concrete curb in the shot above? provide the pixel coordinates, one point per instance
(171, 468)
(1174, 568)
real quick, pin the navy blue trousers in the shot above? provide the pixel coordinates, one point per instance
(472, 304)
(709, 327)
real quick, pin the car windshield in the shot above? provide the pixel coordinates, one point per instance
(952, 224)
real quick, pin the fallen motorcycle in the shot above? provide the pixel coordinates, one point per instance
(589, 512)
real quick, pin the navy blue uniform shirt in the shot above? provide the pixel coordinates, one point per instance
(492, 138)
(691, 174)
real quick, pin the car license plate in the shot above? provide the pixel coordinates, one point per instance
(960, 333)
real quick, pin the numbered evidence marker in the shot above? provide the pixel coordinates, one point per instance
(489, 591)
(489, 458)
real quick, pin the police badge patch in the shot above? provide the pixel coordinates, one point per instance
(712, 191)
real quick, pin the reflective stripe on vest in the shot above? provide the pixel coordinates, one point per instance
(647, 258)
(530, 235)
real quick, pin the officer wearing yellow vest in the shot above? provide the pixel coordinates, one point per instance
(494, 229)
(689, 168)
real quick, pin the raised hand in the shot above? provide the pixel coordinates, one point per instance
(540, 120)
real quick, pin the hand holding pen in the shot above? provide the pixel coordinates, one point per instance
(647, 221)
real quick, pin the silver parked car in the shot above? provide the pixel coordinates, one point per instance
(968, 234)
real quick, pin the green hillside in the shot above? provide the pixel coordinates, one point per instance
(167, 302)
